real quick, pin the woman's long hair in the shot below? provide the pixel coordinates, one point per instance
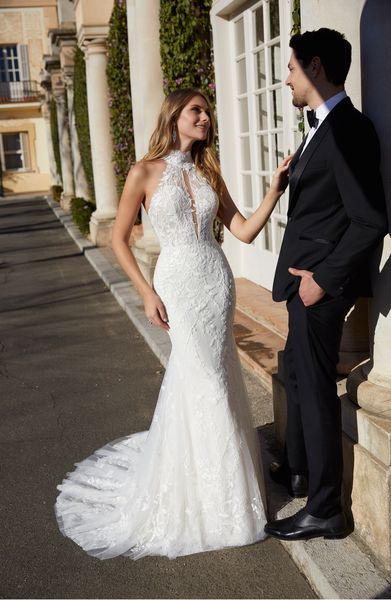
(162, 142)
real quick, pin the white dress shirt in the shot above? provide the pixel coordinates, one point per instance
(321, 113)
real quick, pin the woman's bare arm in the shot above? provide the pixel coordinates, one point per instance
(246, 230)
(132, 197)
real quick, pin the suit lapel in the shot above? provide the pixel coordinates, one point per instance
(301, 163)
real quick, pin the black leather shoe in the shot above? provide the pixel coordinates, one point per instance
(303, 526)
(296, 484)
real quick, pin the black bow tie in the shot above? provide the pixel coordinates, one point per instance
(312, 119)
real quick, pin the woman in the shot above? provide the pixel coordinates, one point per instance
(193, 481)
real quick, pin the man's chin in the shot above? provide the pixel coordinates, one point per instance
(298, 104)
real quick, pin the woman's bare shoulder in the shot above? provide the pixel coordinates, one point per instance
(144, 169)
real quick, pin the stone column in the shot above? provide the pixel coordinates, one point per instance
(103, 217)
(367, 407)
(65, 146)
(55, 178)
(147, 96)
(79, 177)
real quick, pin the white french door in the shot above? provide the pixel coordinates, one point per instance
(265, 121)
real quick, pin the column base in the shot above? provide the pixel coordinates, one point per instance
(65, 201)
(367, 467)
(373, 398)
(146, 251)
(101, 229)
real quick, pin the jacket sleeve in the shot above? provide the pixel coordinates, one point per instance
(356, 168)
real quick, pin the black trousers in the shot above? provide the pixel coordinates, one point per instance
(314, 432)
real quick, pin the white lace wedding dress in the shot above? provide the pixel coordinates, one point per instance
(193, 482)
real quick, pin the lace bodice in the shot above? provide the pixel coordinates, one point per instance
(184, 205)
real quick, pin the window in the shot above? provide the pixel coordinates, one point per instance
(14, 151)
(9, 64)
(15, 84)
(263, 119)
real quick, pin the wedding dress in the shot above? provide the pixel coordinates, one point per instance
(193, 482)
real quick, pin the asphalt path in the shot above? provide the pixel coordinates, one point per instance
(75, 374)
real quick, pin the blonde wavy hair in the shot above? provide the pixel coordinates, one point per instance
(162, 142)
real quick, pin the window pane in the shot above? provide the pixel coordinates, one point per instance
(274, 19)
(239, 36)
(298, 139)
(13, 161)
(242, 80)
(280, 230)
(276, 108)
(11, 142)
(268, 235)
(259, 34)
(263, 152)
(276, 63)
(262, 112)
(243, 115)
(261, 70)
(245, 153)
(247, 191)
(278, 149)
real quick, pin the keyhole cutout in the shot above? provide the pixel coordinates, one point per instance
(193, 203)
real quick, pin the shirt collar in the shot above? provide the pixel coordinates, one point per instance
(323, 110)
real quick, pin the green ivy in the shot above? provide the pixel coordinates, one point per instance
(54, 133)
(81, 119)
(296, 28)
(120, 100)
(186, 45)
(81, 211)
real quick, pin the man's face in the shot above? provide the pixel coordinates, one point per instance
(299, 81)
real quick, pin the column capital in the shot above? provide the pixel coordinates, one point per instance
(96, 45)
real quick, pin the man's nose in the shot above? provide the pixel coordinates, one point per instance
(287, 80)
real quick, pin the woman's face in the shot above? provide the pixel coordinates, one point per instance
(194, 121)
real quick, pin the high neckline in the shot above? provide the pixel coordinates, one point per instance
(179, 158)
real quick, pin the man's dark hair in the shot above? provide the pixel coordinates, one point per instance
(334, 51)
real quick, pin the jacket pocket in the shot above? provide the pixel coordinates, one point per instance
(317, 240)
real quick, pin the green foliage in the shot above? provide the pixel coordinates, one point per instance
(81, 118)
(120, 100)
(56, 191)
(296, 28)
(296, 17)
(186, 45)
(81, 213)
(54, 132)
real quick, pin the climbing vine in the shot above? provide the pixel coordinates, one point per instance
(186, 49)
(81, 118)
(296, 28)
(54, 133)
(120, 100)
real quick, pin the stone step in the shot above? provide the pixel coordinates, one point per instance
(258, 346)
(256, 302)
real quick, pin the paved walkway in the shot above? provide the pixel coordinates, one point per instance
(74, 374)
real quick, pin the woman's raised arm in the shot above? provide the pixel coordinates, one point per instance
(246, 230)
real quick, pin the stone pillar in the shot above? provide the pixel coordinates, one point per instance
(367, 407)
(65, 146)
(55, 178)
(147, 96)
(103, 217)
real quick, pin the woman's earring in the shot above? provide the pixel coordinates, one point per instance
(174, 133)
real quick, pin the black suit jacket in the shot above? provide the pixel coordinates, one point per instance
(336, 214)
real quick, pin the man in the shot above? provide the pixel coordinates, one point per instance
(336, 218)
